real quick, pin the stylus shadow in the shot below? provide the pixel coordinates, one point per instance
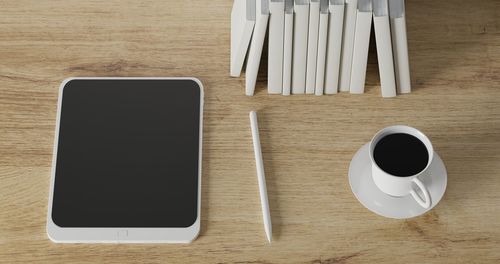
(271, 177)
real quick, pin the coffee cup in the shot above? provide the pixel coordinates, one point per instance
(400, 156)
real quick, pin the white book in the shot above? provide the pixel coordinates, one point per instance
(322, 41)
(335, 27)
(312, 46)
(384, 48)
(242, 24)
(299, 57)
(347, 45)
(255, 52)
(287, 47)
(361, 45)
(275, 49)
(400, 45)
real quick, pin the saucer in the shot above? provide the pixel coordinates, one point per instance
(369, 195)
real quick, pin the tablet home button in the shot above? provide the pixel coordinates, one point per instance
(122, 233)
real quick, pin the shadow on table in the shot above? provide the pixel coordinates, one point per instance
(205, 179)
(442, 36)
(471, 160)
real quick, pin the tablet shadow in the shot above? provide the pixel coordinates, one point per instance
(205, 179)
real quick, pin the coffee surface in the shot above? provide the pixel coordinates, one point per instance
(401, 155)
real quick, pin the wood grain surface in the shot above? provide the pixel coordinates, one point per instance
(307, 141)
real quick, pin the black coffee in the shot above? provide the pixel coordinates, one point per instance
(401, 155)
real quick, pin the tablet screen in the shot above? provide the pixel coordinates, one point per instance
(127, 154)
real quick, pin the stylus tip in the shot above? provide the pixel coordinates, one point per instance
(269, 237)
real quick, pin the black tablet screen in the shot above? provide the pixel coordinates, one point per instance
(127, 154)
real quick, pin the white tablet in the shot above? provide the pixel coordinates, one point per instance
(127, 161)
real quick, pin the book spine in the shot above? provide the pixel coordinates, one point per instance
(312, 46)
(347, 45)
(401, 60)
(287, 54)
(299, 59)
(321, 60)
(360, 53)
(332, 68)
(255, 52)
(384, 55)
(275, 49)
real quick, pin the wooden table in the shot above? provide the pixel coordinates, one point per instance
(307, 141)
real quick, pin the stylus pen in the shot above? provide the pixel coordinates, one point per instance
(260, 175)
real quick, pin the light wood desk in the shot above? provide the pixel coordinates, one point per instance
(307, 141)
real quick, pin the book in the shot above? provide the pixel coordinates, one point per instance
(287, 47)
(400, 45)
(299, 57)
(255, 52)
(347, 44)
(384, 48)
(361, 45)
(312, 46)
(333, 52)
(275, 48)
(242, 24)
(322, 42)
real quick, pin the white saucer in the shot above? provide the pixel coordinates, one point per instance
(368, 194)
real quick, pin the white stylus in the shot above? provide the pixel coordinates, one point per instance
(266, 216)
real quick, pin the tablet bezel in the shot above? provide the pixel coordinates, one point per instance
(122, 235)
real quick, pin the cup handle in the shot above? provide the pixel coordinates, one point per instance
(424, 203)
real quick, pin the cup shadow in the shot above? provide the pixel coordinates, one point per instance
(466, 172)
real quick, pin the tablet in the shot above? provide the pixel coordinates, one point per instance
(127, 161)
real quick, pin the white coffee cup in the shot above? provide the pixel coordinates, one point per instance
(396, 185)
